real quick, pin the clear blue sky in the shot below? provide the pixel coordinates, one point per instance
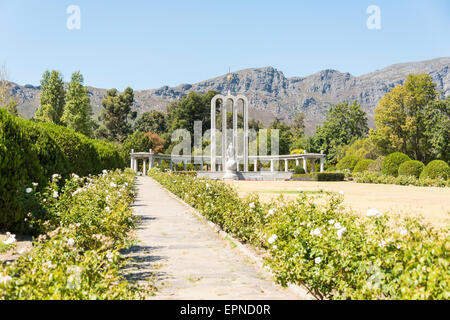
(148, 44)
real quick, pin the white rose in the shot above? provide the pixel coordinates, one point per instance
(373, 213)
(252, 205)
(70, 242)
(318, 260)
(316, 232)
(273, 238)
(28, 190)
(55, 194)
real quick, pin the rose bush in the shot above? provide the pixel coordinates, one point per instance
(86, 222)
(334, 253)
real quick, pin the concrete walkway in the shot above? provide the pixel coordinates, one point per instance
(189, 259)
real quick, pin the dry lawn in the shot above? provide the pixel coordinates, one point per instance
(430, 202)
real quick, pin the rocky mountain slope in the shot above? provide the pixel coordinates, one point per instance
(271, 94)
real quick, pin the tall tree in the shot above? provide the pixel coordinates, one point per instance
(116, 113)
(153, 121)
(344, 123)
(52, 98)
(78, 111)
(412, 119)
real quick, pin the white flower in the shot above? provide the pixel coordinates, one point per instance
(50, 265)
(108, 209)
(75, 176)
(126, 184)
(55, 194)
(340, 232)
(274, 247)
(105, 171)
(318, 260)
(337, 225)
(28, 190)
(309, 224)
(403, 231)
(331, 221)
(112, 184)
(252, 205)
(373, 213)
(273, 238)
(207, 185)
(77, 192)
(341, 193)
(11, 239)
(4, 279)
(296, 233)
(70, 242)
(110, 256)
(35, 184)
(383, 243)
(316, 232)
(56, 176)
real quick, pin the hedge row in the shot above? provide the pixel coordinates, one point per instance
(32, 152)
(337, 254)
(379, 178)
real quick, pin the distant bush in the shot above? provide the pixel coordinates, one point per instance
(392, 162)
(379, 178)
(32, 152)
(375, 166)
(297, 151)
(331, 169)
(363, 165)
(436, 169)
(411, 168)
(348, 162)
(329, 176)
(299, 170)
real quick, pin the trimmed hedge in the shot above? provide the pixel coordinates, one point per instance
(411, 168)
(436, 169)
(363, 165)
(32, 152)
(329, 176)
(392, 162)
(348, 162)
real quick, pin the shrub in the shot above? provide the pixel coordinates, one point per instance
(348, 163)
(329, 176)
(411, 168)
(297, 151)
(32, 152)
(376, 165)
(78, 258)
(299, 170)
(363, 165)
(436, 169)
(392, 162)
(378, 177)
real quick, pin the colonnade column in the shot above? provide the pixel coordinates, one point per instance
(255, 166)
(321, 164)
(144, 166)
(286, 166)
(305, 166)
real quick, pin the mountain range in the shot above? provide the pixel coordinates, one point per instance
(272, 95)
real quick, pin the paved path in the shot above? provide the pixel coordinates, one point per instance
(189, 259)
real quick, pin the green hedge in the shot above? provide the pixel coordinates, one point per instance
(379, 178)
(392, 162)
(411, 168)
(32, 152)
(436, 169)
(329, 176)
(363, 165)
(320, 176)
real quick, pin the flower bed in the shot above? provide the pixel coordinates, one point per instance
(334, 253)
(376, 177)
(86, 223)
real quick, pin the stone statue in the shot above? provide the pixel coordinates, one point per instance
(231, 165)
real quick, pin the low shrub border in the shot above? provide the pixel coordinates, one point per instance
(336, 254)
(320, 176)
(379, 178)
(87, 222)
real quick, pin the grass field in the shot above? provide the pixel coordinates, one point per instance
(430, 202)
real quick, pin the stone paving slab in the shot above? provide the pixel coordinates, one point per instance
(189, 259)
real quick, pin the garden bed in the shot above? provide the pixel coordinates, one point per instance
(335, 253)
